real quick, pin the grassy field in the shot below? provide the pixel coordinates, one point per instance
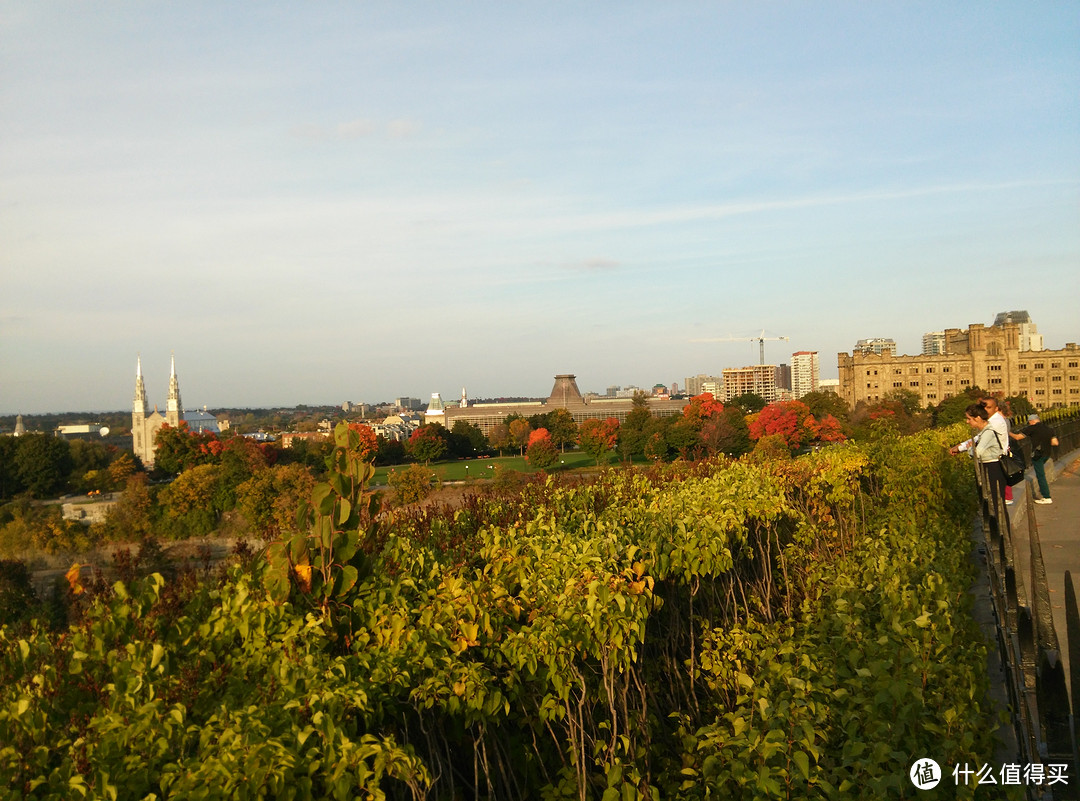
(471, 469)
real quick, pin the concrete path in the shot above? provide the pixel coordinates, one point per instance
(1058, 526)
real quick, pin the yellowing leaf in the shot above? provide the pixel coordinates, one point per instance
(72, 577)
(303, 574)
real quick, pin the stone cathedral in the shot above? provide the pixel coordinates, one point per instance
(146, 424)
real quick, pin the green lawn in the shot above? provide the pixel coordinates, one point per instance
(465, 469)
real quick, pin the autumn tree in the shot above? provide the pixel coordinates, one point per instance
(704, 429)
(269, 499)
(725, 432)
(499, 437)
(821, 403)
(411, 485)
(427, 444)
(178, 449)
(560, 423)
(519, 434)
(541, 452)
(129, 519)
(599, 437)
(794, 424)
(191, 503)
(632, 429)
(120, 469)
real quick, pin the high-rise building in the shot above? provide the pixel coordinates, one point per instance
(933, 343)
(1030, 338)
(783, 376)
(695, 384)
(714, 388)
(878, 345)
(759, 379)
(805, 372)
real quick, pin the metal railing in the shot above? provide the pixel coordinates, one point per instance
(1044, 719)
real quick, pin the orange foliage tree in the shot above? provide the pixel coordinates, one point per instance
(793, 422)
(541, 451)
(598, 437)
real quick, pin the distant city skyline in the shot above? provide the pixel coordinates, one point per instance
(309, 204)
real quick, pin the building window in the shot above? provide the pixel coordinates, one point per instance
(914, 371)
(1023, 379)
(932, 396)
(1056, 378)
(1039, 379)
(898, 383)
(929, 369)
(995, 380)
(948, 384)
(1057, 391)
(965, 381)
(1040, 392)
(1072, 364)
(946, 369)
(1040, 365)
(1055, 365)
(1023, 366)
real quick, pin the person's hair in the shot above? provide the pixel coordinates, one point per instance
(989, 399)
(977, 410)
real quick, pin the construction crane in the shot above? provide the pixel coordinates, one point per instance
(761, 339)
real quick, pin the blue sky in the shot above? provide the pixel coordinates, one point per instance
(312, 203)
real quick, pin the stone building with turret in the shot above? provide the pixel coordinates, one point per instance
(993, 358)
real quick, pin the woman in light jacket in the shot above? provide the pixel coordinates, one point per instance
(988, 450)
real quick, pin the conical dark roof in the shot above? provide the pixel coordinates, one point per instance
(565, 392)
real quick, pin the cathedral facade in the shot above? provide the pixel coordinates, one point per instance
(146, 424)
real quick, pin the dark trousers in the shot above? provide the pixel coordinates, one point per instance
(1040, 473)
(995, 476)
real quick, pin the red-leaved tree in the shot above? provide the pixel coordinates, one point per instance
(541, 452)
(598, 437)
(793, 422)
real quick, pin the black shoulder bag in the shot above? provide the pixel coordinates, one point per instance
(1010, 465)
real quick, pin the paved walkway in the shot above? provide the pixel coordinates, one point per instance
(1058, 525)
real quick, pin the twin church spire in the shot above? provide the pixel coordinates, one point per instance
(174, 408)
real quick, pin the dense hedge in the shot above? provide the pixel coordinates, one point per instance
(787, 629)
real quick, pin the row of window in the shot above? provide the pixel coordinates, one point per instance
(1053, 365)
(994, 368)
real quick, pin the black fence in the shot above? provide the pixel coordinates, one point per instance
(1036, 680)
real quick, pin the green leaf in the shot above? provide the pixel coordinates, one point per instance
(322, 498)
(344, 510)
(803, 763)
(341, 435)
(349, 575)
